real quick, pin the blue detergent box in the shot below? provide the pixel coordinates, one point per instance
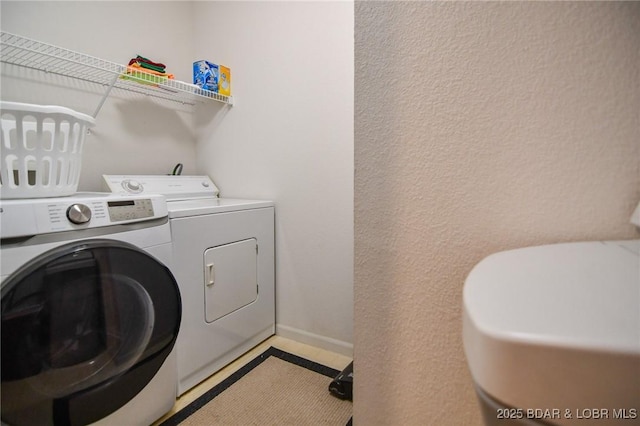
(206, 75)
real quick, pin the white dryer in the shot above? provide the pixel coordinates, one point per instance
(224, 262)
(90, 310)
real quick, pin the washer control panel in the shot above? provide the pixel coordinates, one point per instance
(82, 211)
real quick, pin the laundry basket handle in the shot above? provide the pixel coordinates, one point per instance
(46, 109)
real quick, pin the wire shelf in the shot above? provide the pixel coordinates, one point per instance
(24, 52)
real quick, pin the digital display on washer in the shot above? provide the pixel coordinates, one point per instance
(129, 209)
(121, 203)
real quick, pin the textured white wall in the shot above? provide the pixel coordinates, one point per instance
(479, 127)
(133, 134)
(289, 138)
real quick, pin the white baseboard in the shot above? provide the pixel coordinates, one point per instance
(323, 342)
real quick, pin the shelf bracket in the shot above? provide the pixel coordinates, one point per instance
(106, 95)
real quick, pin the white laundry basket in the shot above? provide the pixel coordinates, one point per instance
(41, 150)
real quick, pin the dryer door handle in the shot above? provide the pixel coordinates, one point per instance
(210, 274)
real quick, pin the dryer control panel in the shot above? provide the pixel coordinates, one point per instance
(174, 187)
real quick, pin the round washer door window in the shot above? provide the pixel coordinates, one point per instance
(85, 327)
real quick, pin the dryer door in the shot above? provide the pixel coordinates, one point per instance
(231, 278)
(85, 327)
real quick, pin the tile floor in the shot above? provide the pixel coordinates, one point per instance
(321, 356)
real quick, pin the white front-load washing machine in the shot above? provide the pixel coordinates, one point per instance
(224, 262)
(90, 310)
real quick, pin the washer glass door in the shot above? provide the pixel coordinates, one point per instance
(77, 321)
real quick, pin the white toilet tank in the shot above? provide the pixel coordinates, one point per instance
(552, 334)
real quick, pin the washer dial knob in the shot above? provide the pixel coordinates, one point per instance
(132, 186)
(79, 214)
